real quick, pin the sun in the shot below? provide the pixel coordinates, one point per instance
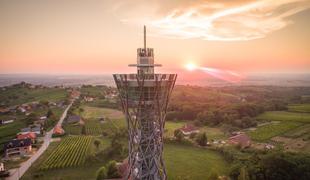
(190, 66)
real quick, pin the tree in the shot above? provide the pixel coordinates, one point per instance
(112, 171)
(178, 135)
(83, 130)
(81, 110)
(244, 175)
(101, 173)
(31, 118)
(202, 139)
(50, 113)
(97, 143)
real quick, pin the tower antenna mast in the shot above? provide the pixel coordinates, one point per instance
(144, 38)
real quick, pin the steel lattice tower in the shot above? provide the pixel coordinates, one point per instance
(144, 98)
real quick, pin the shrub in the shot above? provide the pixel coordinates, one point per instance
(101, 173)
(202, 139)
(112, 171)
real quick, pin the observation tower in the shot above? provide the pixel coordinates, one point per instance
(144, 98)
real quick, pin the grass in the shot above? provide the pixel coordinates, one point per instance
(285, 116)
(187, 162)
(268, 131)
(73, 129)
(19, 95)
(96, 112)
(171, 126)
(113, 120)
(303, 108)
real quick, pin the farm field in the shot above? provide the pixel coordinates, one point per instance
(303, 108)
(268, 131)
(175, 156)
(180, 159)
(303, 131)
(73, 129)
(71, 152)
(15, 96)
(96, 112)
(93, 127)
(113, 120)
(285, 116)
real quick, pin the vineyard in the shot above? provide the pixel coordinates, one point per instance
(93, 128)
(268, 131)
(71, 152)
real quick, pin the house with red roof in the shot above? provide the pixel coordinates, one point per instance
(30, 135)
(189, 129)
(242, 140)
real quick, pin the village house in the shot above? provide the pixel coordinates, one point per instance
(241, 140)
(189, 129)
(58, 130)
(37, 129)
(3, 122)
(88, 98)
(4, 110)
(30, 135)
(17, 147)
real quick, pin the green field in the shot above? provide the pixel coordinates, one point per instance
(96, 112)
(15, 96)
(73, 129)
(187, 162)
(268, 131)
(285, 116)
(93, 128)
(71, 152)
(302, 131)
(303, 108)
(113, 120)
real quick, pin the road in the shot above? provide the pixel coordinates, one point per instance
(19, 172)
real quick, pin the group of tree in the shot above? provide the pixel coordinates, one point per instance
(109, 171)
(235, 106)
(275, 165)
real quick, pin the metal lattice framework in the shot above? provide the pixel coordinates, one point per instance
(144, 99)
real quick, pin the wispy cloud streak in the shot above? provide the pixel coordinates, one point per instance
(222, 22)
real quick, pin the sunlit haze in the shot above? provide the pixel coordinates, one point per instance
(101, 37)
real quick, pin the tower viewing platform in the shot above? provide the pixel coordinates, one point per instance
(144, 98)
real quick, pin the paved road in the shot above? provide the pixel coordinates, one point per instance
(19, 172)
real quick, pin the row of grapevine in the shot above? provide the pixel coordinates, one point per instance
(93, 128)
(71, 152)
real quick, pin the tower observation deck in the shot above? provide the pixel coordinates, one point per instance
(144, 98)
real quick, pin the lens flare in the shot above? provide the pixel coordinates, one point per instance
(191, 66)
(226, 75)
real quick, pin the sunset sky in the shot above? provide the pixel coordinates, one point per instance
(101, 36)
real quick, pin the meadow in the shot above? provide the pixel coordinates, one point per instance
(303, 108)
(16, 96)
(268, 131)
(285, 116)
(187, 162)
